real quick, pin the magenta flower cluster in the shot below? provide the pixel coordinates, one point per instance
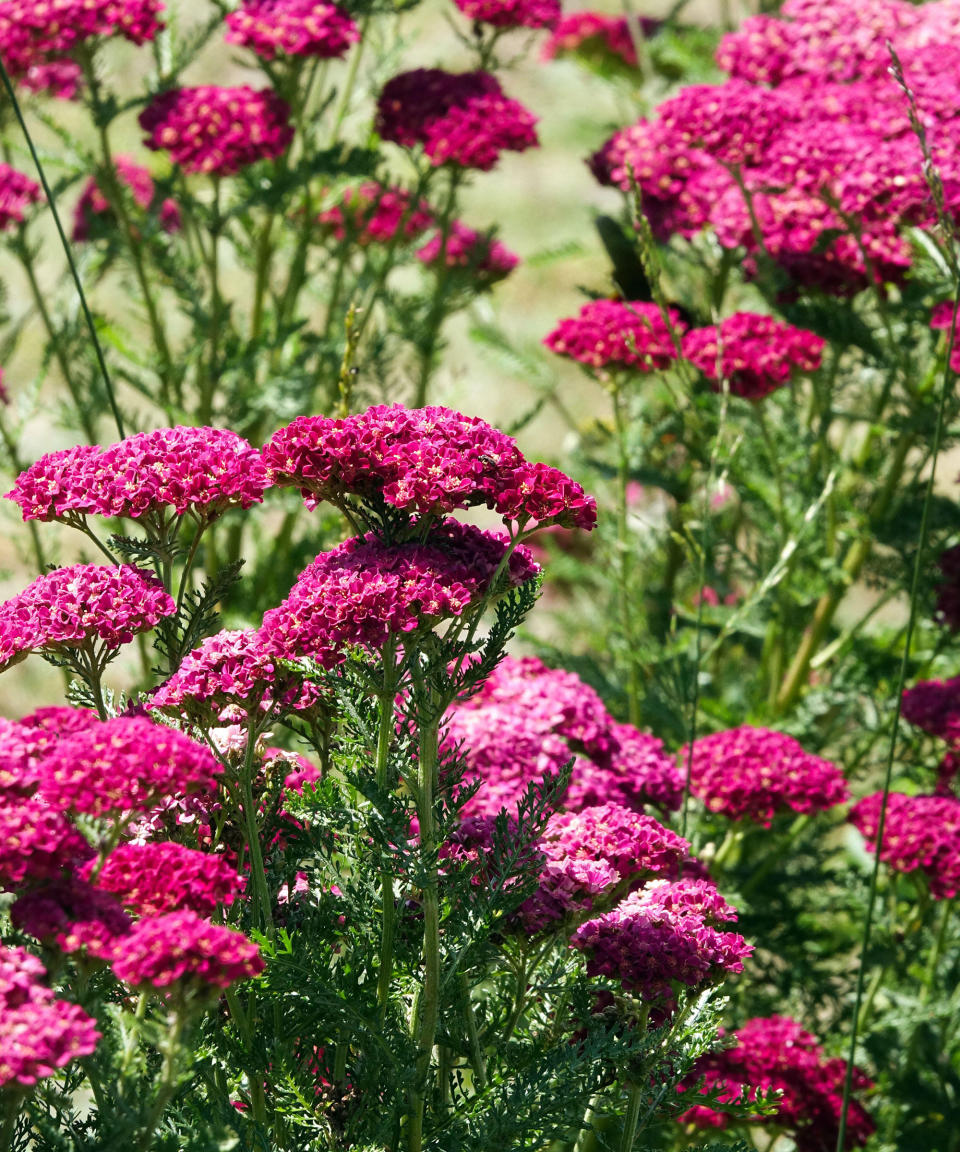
(596, 34)
(73, 608)
(373, 213)
(32, 31)
(458, 118)
(217, 131)
(273, 28)
(755, 354)
(73, 916)
(665, 933)
(528, 721)
(93, 209)
(180, 470)
(366, 590)
(426, 461)
(614, 335)
(17, 193)
(486, 259)
(775, 1054)
(934, 706)
(39, 1033)
(159, 876)
(920, 833)
(37, 842)
(753, 774)
(512, 13)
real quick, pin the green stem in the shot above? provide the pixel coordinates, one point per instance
(936, 951)
(624, 551)
(631, 1119)
(262, 914)
(385, 733)
(216, 304)
(343, 105)
(168, 1079)
(262, 277)
(438, 310)
(477, 1061)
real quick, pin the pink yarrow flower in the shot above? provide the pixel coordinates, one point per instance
(373, 213)
(84, 612)
(183, 948)
(613, 335)
(93, 209)
(72, 915)
(32, 30)
(921, 833)
(157, 877)
(217, 131)
(463, 119)
(17, 193)
(486, 259)
(272, 28)
(596, 35)
(37, 842)
(512, 13)
(941, 320)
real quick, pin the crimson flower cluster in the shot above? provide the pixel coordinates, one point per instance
(528, 721)
(37, 842)
(462, 119)
(774, 1053)
(273, 28)
(596, 34)
(756, 354)
(486, 259)
(920, 833)
(17, 193)
(425, 461)
(73, 916)
(159, 876)
(94, 210)
(366, 590)
(614, 335)
(373, 213)
(200, 471)
(753, 773)
(512, 13)
(39, 1033)
(934, 706)
(217, 131)
(806, 155)
(941, 320)
(66, 612)
(666, 932)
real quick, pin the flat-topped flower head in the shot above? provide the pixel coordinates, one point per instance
(231, 670)
(374, 213)
(755, 354)
(920, 833)
(32, 30)
(663, 934)
(423, 461)
(86, 608)
(37, 842)
(272, 28)
(94, 216)
(459, 118)
(72, 915)
(125, 765)
(485, 259)
(217, 131)
(160, 876)
(183, 948)
(17, 193)
(365, 591)
(613, 335)
(512, 13)
(776, 1054)
(38, 1032)
(934, 706)
(753, 773)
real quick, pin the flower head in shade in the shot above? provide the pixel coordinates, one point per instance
(93, 209)
(17, 193)
(756, 354)
(365, 590)
(934, 706)
(217, 131)
(273, 28)
(122, 765)
(37, 842)
(160, 876)
(637, 772)
(940, 321)
(613, 335)
(38, 1032)
(920, 833)
(32, 30)
(595, 35)
(753, 773)
(424, 461)
(85, 608)
(664, 933)
(512, 13)
(459, 118)
(73, 916)
(589, 852)
(181, 470)
(59, 79)
(373, 213)
(774, 1053)
(486, 259)
(182, 947)
(231, 670)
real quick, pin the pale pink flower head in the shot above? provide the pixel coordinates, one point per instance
(617, 335)
(756, 354)
(17, 193)
(93, 213)
(374, 213)
(462, 119)
(37, 842)
(512, 13)
(753, 773)
(272, 28)
(183, 948)
(38, 1033)
(217, 131)
(125, 765)
(920, 833)
(365, 591)
(161, 876)
(85, 610)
